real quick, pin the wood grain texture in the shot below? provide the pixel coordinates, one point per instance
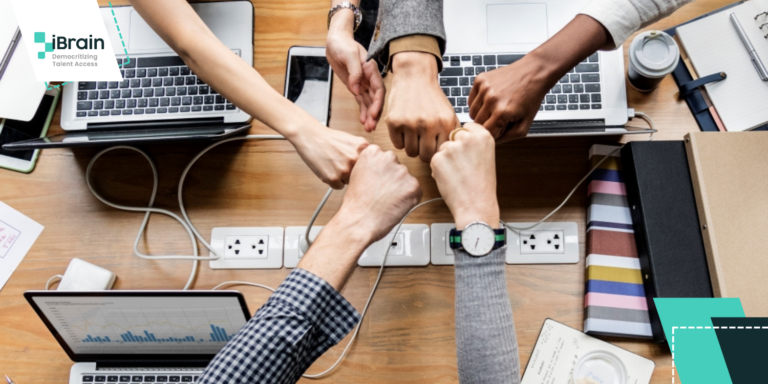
(408, 335)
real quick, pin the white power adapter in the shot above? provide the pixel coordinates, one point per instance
(84, 276)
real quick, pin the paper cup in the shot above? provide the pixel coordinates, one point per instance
(652, 56)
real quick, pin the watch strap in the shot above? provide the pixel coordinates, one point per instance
(454, 238)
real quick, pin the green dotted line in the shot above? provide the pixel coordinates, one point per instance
(48, 88)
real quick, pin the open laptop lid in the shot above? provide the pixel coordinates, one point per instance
(139, 133)
(147, 327)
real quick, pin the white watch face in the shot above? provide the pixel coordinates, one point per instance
(478, 239)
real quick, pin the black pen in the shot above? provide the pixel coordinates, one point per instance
(7, 56)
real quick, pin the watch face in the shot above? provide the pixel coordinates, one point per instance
(478, 239)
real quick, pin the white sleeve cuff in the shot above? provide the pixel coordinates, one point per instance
(619, 17)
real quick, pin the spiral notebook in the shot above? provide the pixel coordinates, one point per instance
(713, 46)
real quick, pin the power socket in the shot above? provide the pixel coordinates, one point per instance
(247, 247)
(410, 248)
(293, 237)
(442, 254)
(542, 242)
(547, 243)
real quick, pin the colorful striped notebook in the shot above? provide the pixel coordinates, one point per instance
(615, 302)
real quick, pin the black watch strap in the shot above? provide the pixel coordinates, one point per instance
(454, 238)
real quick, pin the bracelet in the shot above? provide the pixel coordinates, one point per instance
(348, 5)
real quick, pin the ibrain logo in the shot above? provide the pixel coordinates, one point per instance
(62, 42)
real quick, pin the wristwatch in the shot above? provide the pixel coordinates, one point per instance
(477, 239)
(346, 4)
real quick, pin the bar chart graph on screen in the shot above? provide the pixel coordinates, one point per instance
(159, 325)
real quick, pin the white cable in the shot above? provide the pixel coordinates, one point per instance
(653, 133)
(306, 242)
(185, 222)
(54, 277)
(227, 283)
(370, 296)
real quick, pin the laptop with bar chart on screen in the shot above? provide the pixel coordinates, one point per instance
(140, 336)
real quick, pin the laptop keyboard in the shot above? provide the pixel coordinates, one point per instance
(150, 85)
(130, 379)
(579, 89)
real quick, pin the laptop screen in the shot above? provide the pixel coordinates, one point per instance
(142, 322)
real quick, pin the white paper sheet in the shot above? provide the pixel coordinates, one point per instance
(17, 234)
(559, 347)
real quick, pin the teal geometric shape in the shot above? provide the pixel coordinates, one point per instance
(39, 37)
(49, 47)
(687, 323)
(41, 55)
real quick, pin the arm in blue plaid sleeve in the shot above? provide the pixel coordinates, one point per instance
(299, 322)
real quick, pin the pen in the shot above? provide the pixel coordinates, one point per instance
(9, 52)
(8, 379)
(750, 49)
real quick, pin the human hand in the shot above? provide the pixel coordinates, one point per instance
(511, 95)
(465, 172)
(348, 60)
(329, 153)
(380, 193)
(419, 116)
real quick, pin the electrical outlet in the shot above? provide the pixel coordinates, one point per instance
(410, 248)
(247, 248)
(547, 243)
(293, 236)
(543, 241)
(442, 254)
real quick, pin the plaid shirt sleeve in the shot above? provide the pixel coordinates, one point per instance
(300, 321)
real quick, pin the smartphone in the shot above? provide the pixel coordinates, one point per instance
(308, 79)
(12, 131)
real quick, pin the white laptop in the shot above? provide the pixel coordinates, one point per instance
(159, 98)
(140, 336)
(483, 35)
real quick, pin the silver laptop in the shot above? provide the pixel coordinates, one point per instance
(140, 336)
(486, 34)
(159, 98)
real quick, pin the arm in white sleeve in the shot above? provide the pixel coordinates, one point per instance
(624, 17)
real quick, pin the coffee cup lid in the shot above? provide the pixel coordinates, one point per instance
(655, 53)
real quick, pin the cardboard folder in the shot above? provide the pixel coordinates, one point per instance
(729, 172)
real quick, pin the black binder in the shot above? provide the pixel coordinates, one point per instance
(673, 261)
(694, 99)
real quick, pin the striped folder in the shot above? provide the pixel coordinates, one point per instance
(615, 302)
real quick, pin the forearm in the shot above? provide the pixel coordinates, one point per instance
(624, 17)
(219, 67)
(334, 254)
(485, 333)
(580, 38)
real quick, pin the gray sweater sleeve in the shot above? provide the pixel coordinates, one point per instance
(399, 18)
(485, 332)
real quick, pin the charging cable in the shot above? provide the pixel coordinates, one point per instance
(186, 223)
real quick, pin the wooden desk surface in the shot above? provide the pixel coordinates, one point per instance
(408, 335)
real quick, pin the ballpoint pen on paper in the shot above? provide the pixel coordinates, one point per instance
(9, 52)
(759, 66)
(8, 379)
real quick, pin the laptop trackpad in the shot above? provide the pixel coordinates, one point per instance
(517, 23)
(142, 37)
